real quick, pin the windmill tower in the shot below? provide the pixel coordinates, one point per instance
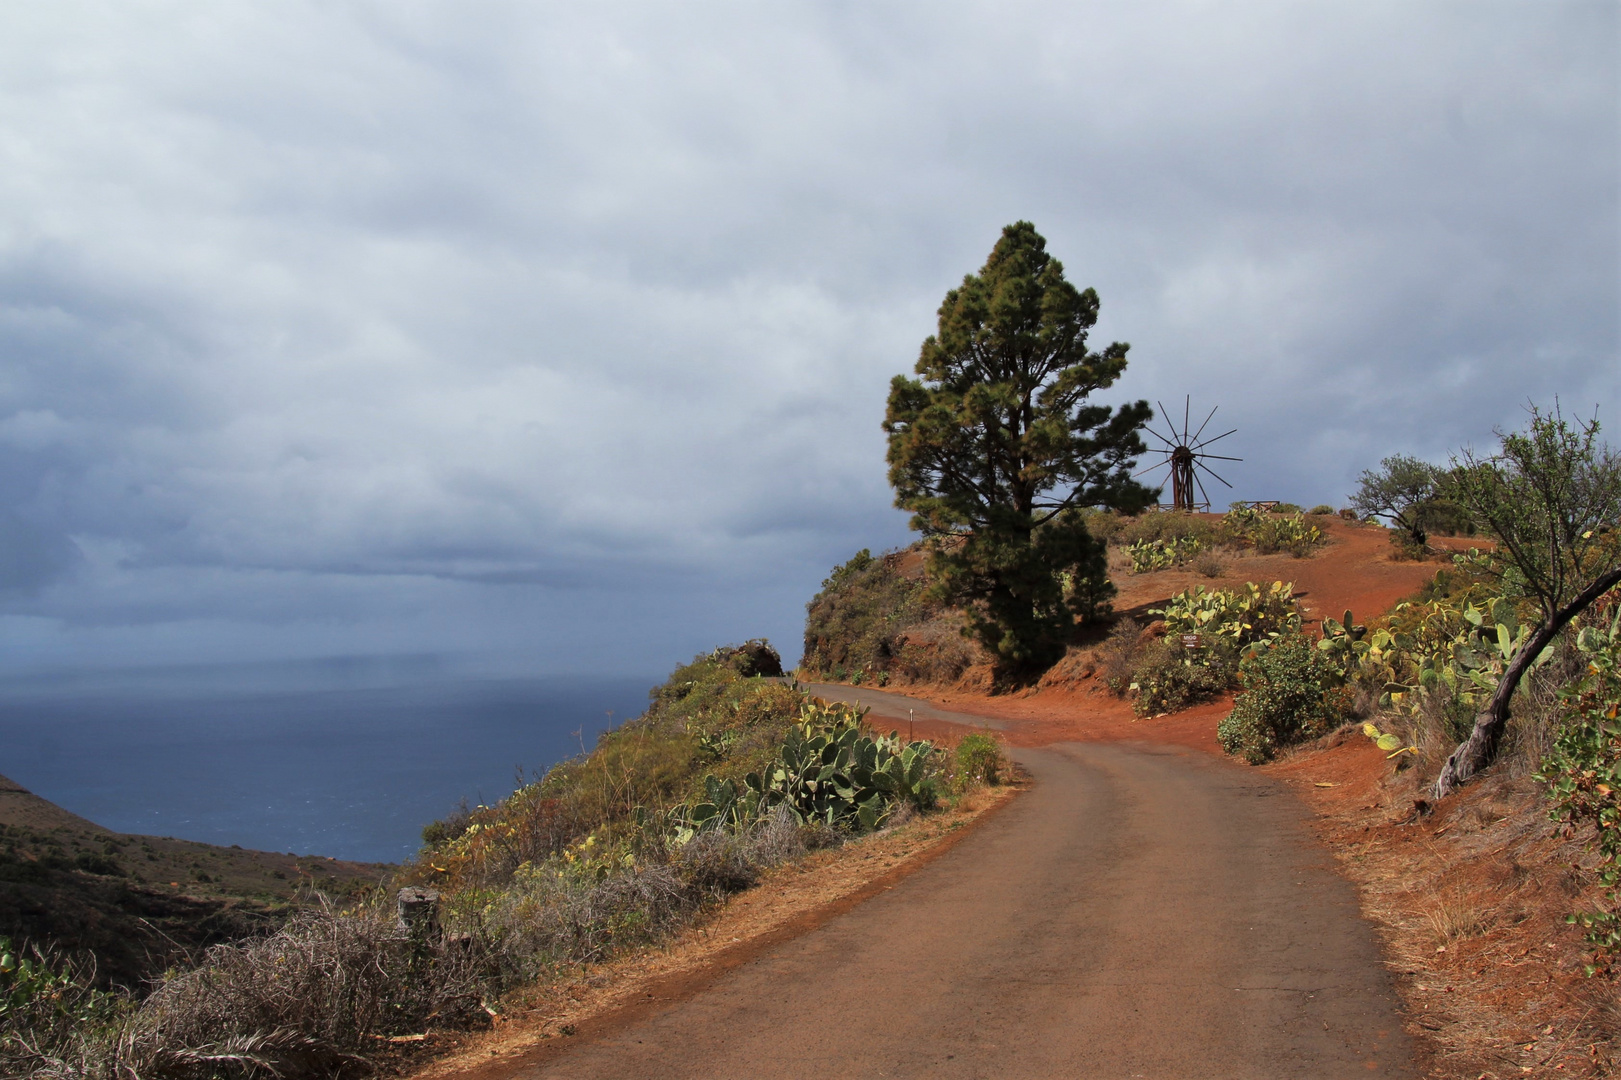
(1185, 455)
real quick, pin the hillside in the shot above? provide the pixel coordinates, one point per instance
(138, 903)
(1470, 897)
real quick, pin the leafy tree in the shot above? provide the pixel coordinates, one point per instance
(1552, 499)
(1399, 491)
(996, 447)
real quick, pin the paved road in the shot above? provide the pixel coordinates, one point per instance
(1140, 912)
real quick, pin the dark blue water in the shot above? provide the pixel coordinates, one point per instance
(335, 768)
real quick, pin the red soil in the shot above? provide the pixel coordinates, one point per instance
(1354, 571)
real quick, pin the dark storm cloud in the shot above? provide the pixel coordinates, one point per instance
(566, 331)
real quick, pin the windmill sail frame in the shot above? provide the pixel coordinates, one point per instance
(1185, 455)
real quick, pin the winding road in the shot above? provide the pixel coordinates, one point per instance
(1142, 911)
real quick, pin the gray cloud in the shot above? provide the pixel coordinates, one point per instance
(565, 333)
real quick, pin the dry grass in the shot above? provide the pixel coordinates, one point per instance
(543, 919)
(935, 652)
(304, 1002)
(1455, 914)
(1118, 657)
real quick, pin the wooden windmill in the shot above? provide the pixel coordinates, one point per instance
(1185, 455)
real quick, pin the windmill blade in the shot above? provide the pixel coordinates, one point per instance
(1206, 423)
(1202, 493)
(1170, 425)
(1211, 471)
(1160, 437)
(1216, 438)
(1151, 468)
(1187, 405)
(1218, 457)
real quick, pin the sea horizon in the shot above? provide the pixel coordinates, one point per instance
(340, 757)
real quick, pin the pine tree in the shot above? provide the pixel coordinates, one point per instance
(996, 448)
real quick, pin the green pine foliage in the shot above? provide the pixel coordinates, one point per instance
(996, 446)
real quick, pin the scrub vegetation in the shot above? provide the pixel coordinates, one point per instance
(728, 773)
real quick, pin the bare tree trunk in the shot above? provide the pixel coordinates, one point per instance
(1480, 748)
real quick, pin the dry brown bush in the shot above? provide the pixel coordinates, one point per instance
(1118, 657)
(1166, 526)
(302, 1002)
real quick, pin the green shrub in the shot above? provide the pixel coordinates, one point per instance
(1321, 508)
(1583, 774)
(827, 771)
(1169, 677)
(979, 760)
(706, 717)
(1288, 697)
(1292, 534)
(1105, 525)
(1404, 549)
(50, 1011)
(1443, 517)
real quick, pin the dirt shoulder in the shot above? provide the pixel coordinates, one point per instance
(586, 1003)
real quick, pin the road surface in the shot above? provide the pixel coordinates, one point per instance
(1141, 911)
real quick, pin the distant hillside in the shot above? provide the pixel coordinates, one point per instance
(24, 809)
(139, 902)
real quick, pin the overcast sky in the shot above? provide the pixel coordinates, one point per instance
(560, 335)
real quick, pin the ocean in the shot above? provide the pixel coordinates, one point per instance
(344, 758)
